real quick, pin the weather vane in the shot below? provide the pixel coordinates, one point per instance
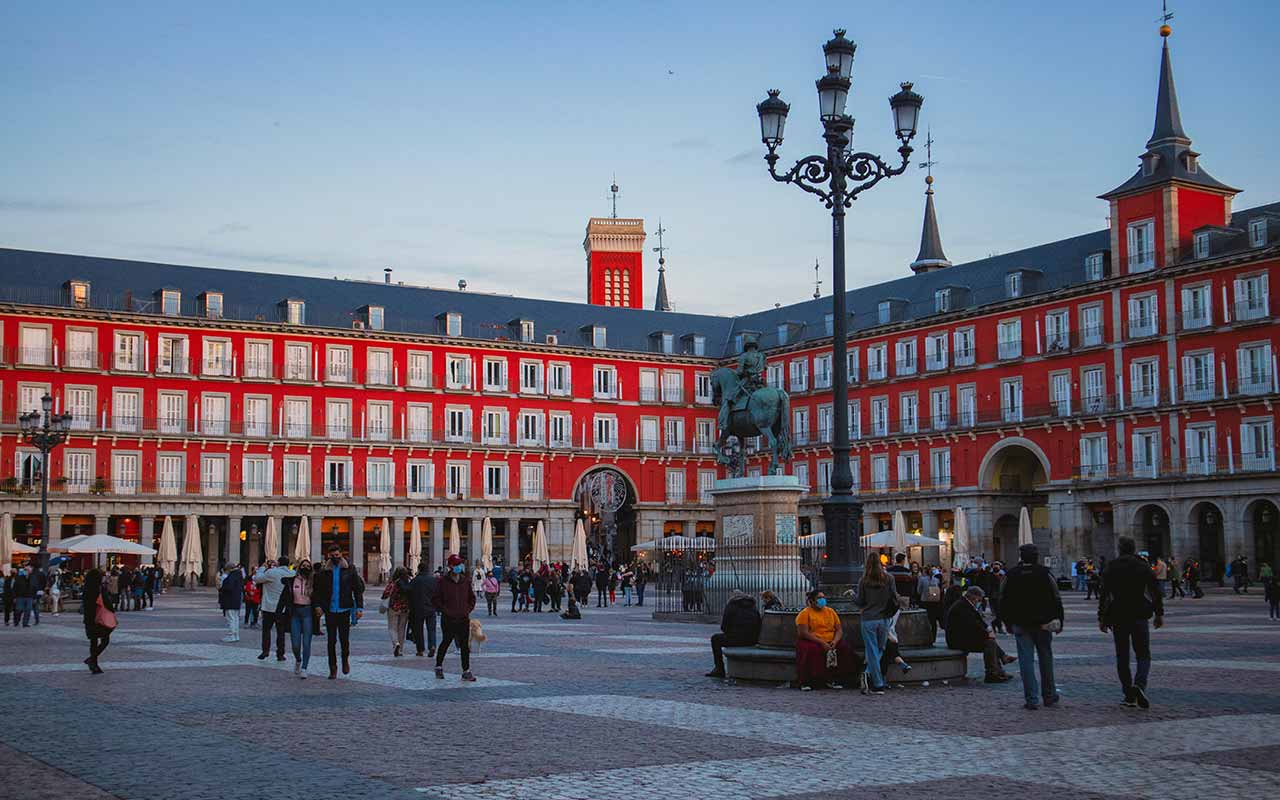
(661, 249)
(928, 164)
(817, 282)
(1165, 16)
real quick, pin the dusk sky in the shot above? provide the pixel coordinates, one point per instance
(474, 140)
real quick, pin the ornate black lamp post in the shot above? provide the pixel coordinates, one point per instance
(45, 430)
(837, 179)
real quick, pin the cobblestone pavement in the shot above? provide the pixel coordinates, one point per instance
(615, 706)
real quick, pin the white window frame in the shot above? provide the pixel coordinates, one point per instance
(1141, 241)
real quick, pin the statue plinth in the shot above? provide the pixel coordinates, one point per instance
(757, 541)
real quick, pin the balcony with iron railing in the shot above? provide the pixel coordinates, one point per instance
(1254, 309)
(1143, 327)
(1214, 464)
(1141, 262)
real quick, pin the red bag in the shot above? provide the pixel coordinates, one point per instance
(104, 616)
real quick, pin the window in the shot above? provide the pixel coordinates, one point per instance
(560, 429)
(80, 405)
(801, 470)
(418, 423)
(378, 368)
(1011, 399)
(297, 477)
(1251, 297)
(825, 427)
(800, 425)
(126, 472)
(297, 362)
(800, 375)
(30, 397)
(1257, 448)
(126, 407)
(297, 418)
(170, 302)
(1197, 306)
(217, 358)
(78, 468)
(884, 312)
(964, 347)
(1146, 453)
(339, 365)
(378, 421)
(457, 372)
(1093, 396)
(457, 480)
(1060, 393)
(877, 356)
(649, 434)
(457, 424)
(672, 386)
(531, 377)
(81, 351)
(1257, 232)
(1013, 284)
(295, 312)
(1197, 376)
(257, 416)
(1010, 338)
(531, 481)
(879, 416)
(1091, 327)
(34, 349)
(420, 370)
(606, 432)
(828, 323)
(1057, 332)
(940, 409)
(215, 414)
(599, 336)
(378, 480)
(675, 486)
(1094, 267)
(704, 435)
(453, 324)
(854, 409)
(1144, 383)
(257, 359)
(822, 371)
(30, 468)
(1143, 316)
(529, 427)
(935, 351)
(493, 428)
(526, 330)
(337, 477)
(648, 386)
(824, 478)
(699, 345)
(128, 356)
(942, 301)
(1253, 365)
(851, 363)
(702, 388)
(606, 386)
(909, 412)
(558, 380)
(79, 294)
(213, 305)
(1093, 456)
(1142, 246)
(879, 473)
(419, 479)
(213, 475)
(495, 374)
(338, 419)
(1201, 245)
(1201, 449)
(940, 468)
(257, 476)
(706, 482)
(375, 318)
(783, 329)
(905, 356)
(967, 406)
(773, 375)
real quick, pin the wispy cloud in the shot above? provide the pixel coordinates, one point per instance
(741, 158)
(44, 206)
(229, 227)
(692, 143)
(222, 255)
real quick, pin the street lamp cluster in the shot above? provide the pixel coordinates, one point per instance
(44, 430)
(837, 179)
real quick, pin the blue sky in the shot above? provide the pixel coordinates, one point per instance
(473, 140)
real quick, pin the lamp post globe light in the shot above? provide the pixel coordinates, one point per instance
(45, 431)
(837, 178)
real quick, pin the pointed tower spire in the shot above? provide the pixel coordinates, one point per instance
(1168, 127)
(661, 302)
(930, 257)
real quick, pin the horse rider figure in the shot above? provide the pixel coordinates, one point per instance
(751, 364)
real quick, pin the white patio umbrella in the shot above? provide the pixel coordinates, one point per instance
(900, 543)
(271, 539)
(960, 540)
(540, 554)
(384, 548)
(302, 544)
(415, 545)
(486, 544)
(103, 543)
(168, 555)
(579, 546)
(1024, 527)
(192, 560)
(6, 542)
(891, 539)
(454, 545)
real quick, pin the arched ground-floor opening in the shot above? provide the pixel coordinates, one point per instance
(1206, 521)
(1262, 517)
(1151, 531)
(607, 500)
(1004, 540)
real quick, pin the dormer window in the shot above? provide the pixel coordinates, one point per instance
(1149, 163)
(295, 312)
(599, 336)
(78, 293)
(212, 305)
(738, 340)
(828, 323)
(942, 301)
(1095, 268)
(452, 323)
(783, 330)
(1013, 285)
(375, 317)
(699, 344)
(526, 330)
(170, 302)
(1193, 163)
(1201, 242)
(1257, 232)
(668, 343)
(884, 312)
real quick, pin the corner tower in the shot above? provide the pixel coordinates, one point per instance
(615, 262)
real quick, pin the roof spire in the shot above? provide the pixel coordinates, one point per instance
(613, 192)
(930, 257)
(1168, 126)
(661, 303)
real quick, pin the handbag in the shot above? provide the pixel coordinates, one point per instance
(932, 594)
(104, 617)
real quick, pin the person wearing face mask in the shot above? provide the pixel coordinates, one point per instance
(297, 593)
(455, 599)
(819, 636)
(338, 591)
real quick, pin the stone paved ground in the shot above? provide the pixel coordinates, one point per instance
(615, 706)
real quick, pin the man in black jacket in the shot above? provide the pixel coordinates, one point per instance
(1130, 596)
(968, 631)
(1032, 608)
(739, 626)
(338, 591)
(421, 589)
(230, 597)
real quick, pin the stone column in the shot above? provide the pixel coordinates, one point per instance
(317, 524)
(232, 553)
(397, 542)
(54, 534)
(101, 523)
(356, 554)
(437, 542)
(146, 535)
(473, 542)
(690, 528)
(513, 542)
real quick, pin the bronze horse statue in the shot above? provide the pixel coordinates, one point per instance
(765, 412)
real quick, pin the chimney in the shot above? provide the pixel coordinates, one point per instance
(386, 275)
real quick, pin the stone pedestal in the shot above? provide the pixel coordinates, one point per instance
(757, 545)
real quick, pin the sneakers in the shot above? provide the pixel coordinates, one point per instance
(878, 690)
(1049, 702)
(862, 682)
(806, 688)
(1001, 677)
(440, 673)
(279, 656)
(467, 676)
(303, 674)
(230, 638)
(1031, 706)
(297, 668)
(715, 673)
(1140, 696)
(1008, 659)
(905, 667)
(834, 685)
(262, 656)
(1127, 703)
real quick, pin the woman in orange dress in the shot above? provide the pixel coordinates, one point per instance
(818, 636)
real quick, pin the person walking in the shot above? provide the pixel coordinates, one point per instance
(1175, 579)
(23, 597)
(539, 588)
(1192, 575)
(490, 587)
(9, 598)
(97, 627)
(230, 598)
(339, 593)
(270, 578)
(1161, 570)
(456, 600)
(877, 596)
(1032, 609)
(1270, 590)
(1239, 570)
(1130, 599)
(421, 589)
(297, 591)
(626, 577)
(642, 580)
(602, 586)
(39, 583)
(397, 600)
(513, 583)
(555, 589)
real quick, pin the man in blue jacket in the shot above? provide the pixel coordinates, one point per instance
(338, 591)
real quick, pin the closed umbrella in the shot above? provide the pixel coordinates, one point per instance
(486, 544)
(168, 556)
(384, 548)
(579, 546)
(271, 540)
(302, 544)
(454, 545)
(415, 544)
(191, 563)
(6, 542)
(900, 543)
(960, 540)
(1024, 527)
(540, 554)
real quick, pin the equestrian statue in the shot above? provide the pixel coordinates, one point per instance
(750, 408)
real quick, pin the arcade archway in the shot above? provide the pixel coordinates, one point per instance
(1206, 521)
(1151, 531)
(606, 500)
(1263, 518)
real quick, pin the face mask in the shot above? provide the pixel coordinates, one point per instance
(821, 602)
(335, 559)
(458, 569)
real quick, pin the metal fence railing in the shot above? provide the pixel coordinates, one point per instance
(695, 584)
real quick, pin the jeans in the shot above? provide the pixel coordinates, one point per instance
(250, 614)
(270, 618)
(1273, 606)
(602, 599)
(99, 638)
(491, 602)
(22, 612)
(639, 594)
(1035, 644)
(337, 625)
(397, 624)
(1139, 634)
(300, 632)
(875, 632)
(455, 630)
(418, 623)
(515, 596)
(1164, 588)
(233, 622)
(35, 606)
(626, 595)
